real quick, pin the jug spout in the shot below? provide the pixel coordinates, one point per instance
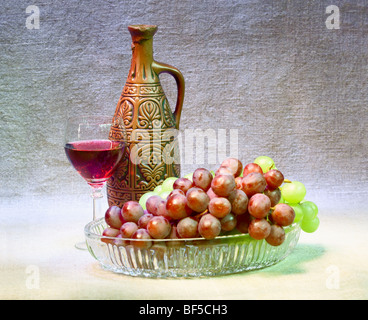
(141, 32)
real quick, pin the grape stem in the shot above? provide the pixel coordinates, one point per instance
(287, 181)
(199, 215)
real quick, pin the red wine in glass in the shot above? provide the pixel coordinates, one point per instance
(95, 160)
(89, 149)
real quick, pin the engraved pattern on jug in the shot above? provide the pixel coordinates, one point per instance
(150, 128)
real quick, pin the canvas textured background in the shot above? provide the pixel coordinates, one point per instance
(293, 89)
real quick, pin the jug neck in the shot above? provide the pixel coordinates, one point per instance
(141, 70)
(142, 51)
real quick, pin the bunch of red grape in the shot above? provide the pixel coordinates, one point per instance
(208, 204)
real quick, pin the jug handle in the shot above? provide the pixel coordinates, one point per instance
(159, 67)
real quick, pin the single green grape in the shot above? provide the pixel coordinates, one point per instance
(266, 163)
(298, 211)
(189, 176)
(312, 205)
(310, 226)
(293, 192)
(212, 172)
(310, 210)
(167, 185)
(143, 199)
(158, 189)
(164, 194)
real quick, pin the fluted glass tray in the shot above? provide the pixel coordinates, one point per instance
(186, 257)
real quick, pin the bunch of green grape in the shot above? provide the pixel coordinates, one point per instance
(293, 193)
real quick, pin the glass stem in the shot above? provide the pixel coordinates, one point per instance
(97, 201)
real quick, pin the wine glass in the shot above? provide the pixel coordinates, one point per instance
(93, 152)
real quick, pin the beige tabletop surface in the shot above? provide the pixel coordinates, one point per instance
(38, 261)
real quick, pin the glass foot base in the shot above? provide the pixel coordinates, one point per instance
(81, 245)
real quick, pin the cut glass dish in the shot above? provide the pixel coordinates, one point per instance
(185, 257)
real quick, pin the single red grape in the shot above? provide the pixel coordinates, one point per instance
(223, 170)
(183, 184)
(259, 229)
(110, 232)
(283, 215)
(253, 183)
(239, 202)
(152, 203)
(177, 207)
(113, 217)
(259, 205)
(202, 178)
(228, 222)
(176, 191)
(238, 182)
(161, 209)
(143, 220)
(252, 167)
(209, 226)
(142, 239)
(188, 228)
(119, 240)
(274, 179)
(132, 211)
(274, 195)
(197, 199)
(158, 227)
(234, 165)
(223, 185)
(276, 236)
(127, 229)
(219, 207)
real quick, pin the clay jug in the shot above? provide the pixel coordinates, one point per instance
(151, 126)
